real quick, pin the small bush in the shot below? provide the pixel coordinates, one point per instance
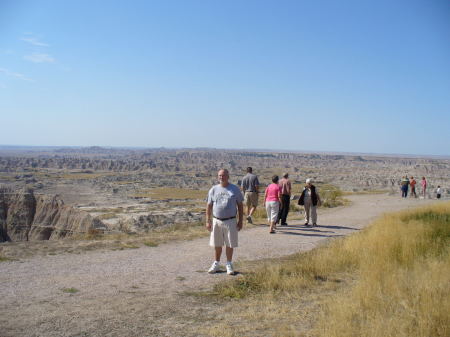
(331, 196)
(93, 234)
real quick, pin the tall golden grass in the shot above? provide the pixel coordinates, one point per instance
(392, 279)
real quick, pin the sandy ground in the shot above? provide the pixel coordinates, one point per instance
(143, 292)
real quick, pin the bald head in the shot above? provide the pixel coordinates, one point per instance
(223, 176)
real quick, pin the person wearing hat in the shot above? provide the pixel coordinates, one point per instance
(310, 199)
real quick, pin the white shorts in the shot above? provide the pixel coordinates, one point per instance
(272, 208)
(224, 233)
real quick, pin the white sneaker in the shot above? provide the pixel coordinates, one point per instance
(230, 270)
(214, 267)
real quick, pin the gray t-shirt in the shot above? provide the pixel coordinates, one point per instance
(249, 182)
(224, 200)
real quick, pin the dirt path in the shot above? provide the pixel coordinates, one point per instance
(139, 292)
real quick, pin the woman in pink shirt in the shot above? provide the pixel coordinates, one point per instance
(272, 202)
(424, 186)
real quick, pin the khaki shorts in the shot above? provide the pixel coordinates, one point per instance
(224, 233)
(251, 199)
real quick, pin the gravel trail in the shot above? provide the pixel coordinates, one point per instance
(139, 292)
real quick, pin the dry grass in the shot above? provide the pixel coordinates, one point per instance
(163, 193)
(96, 240)
(177, 232)
(4, 259)
(392, 279)
(107, 216)
(365, 192)
(81, 175)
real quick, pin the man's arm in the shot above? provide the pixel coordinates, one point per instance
(209, 208)
(243, 185)
(280, 199)
(241, 214)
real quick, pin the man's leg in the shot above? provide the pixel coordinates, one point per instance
(229, 252)
(218, 253)
(314, 214)
(285, 208)
(307, 209)
(281, 212)
(253, 202)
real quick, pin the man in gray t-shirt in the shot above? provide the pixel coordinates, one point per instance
(250, 187)
(224, 204)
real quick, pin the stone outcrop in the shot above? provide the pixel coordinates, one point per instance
(25, 216)
(144, 223)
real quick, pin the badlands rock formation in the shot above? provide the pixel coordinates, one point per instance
(137, 190)
(28, 217)
(144, 223)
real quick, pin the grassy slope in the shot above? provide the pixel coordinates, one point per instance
(392, 279)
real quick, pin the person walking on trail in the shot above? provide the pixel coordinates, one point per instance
(424, 187)
(250, 187)
(285, 185)
(310, 199)
(272, 202)
(412, 183)
(404, 186)
(438, 192)
(224, 204)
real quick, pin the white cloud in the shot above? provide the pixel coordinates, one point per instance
(39, 58)
(18, 76)
(34, 41)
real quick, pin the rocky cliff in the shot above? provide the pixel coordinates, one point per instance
(25, 216)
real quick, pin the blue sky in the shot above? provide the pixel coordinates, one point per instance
(349, 76)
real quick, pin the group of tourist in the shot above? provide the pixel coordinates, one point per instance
(225, 202)
(410, 184)
(277, 198)
(225, 208)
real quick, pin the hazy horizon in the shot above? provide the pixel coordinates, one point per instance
(324, 152)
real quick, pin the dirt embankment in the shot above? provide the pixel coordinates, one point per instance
(25, 216)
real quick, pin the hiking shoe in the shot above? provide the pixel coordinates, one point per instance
(306, 224)
(214, 268)
(230, 270)
(284, 224)
(249, 219)
(314, 225)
